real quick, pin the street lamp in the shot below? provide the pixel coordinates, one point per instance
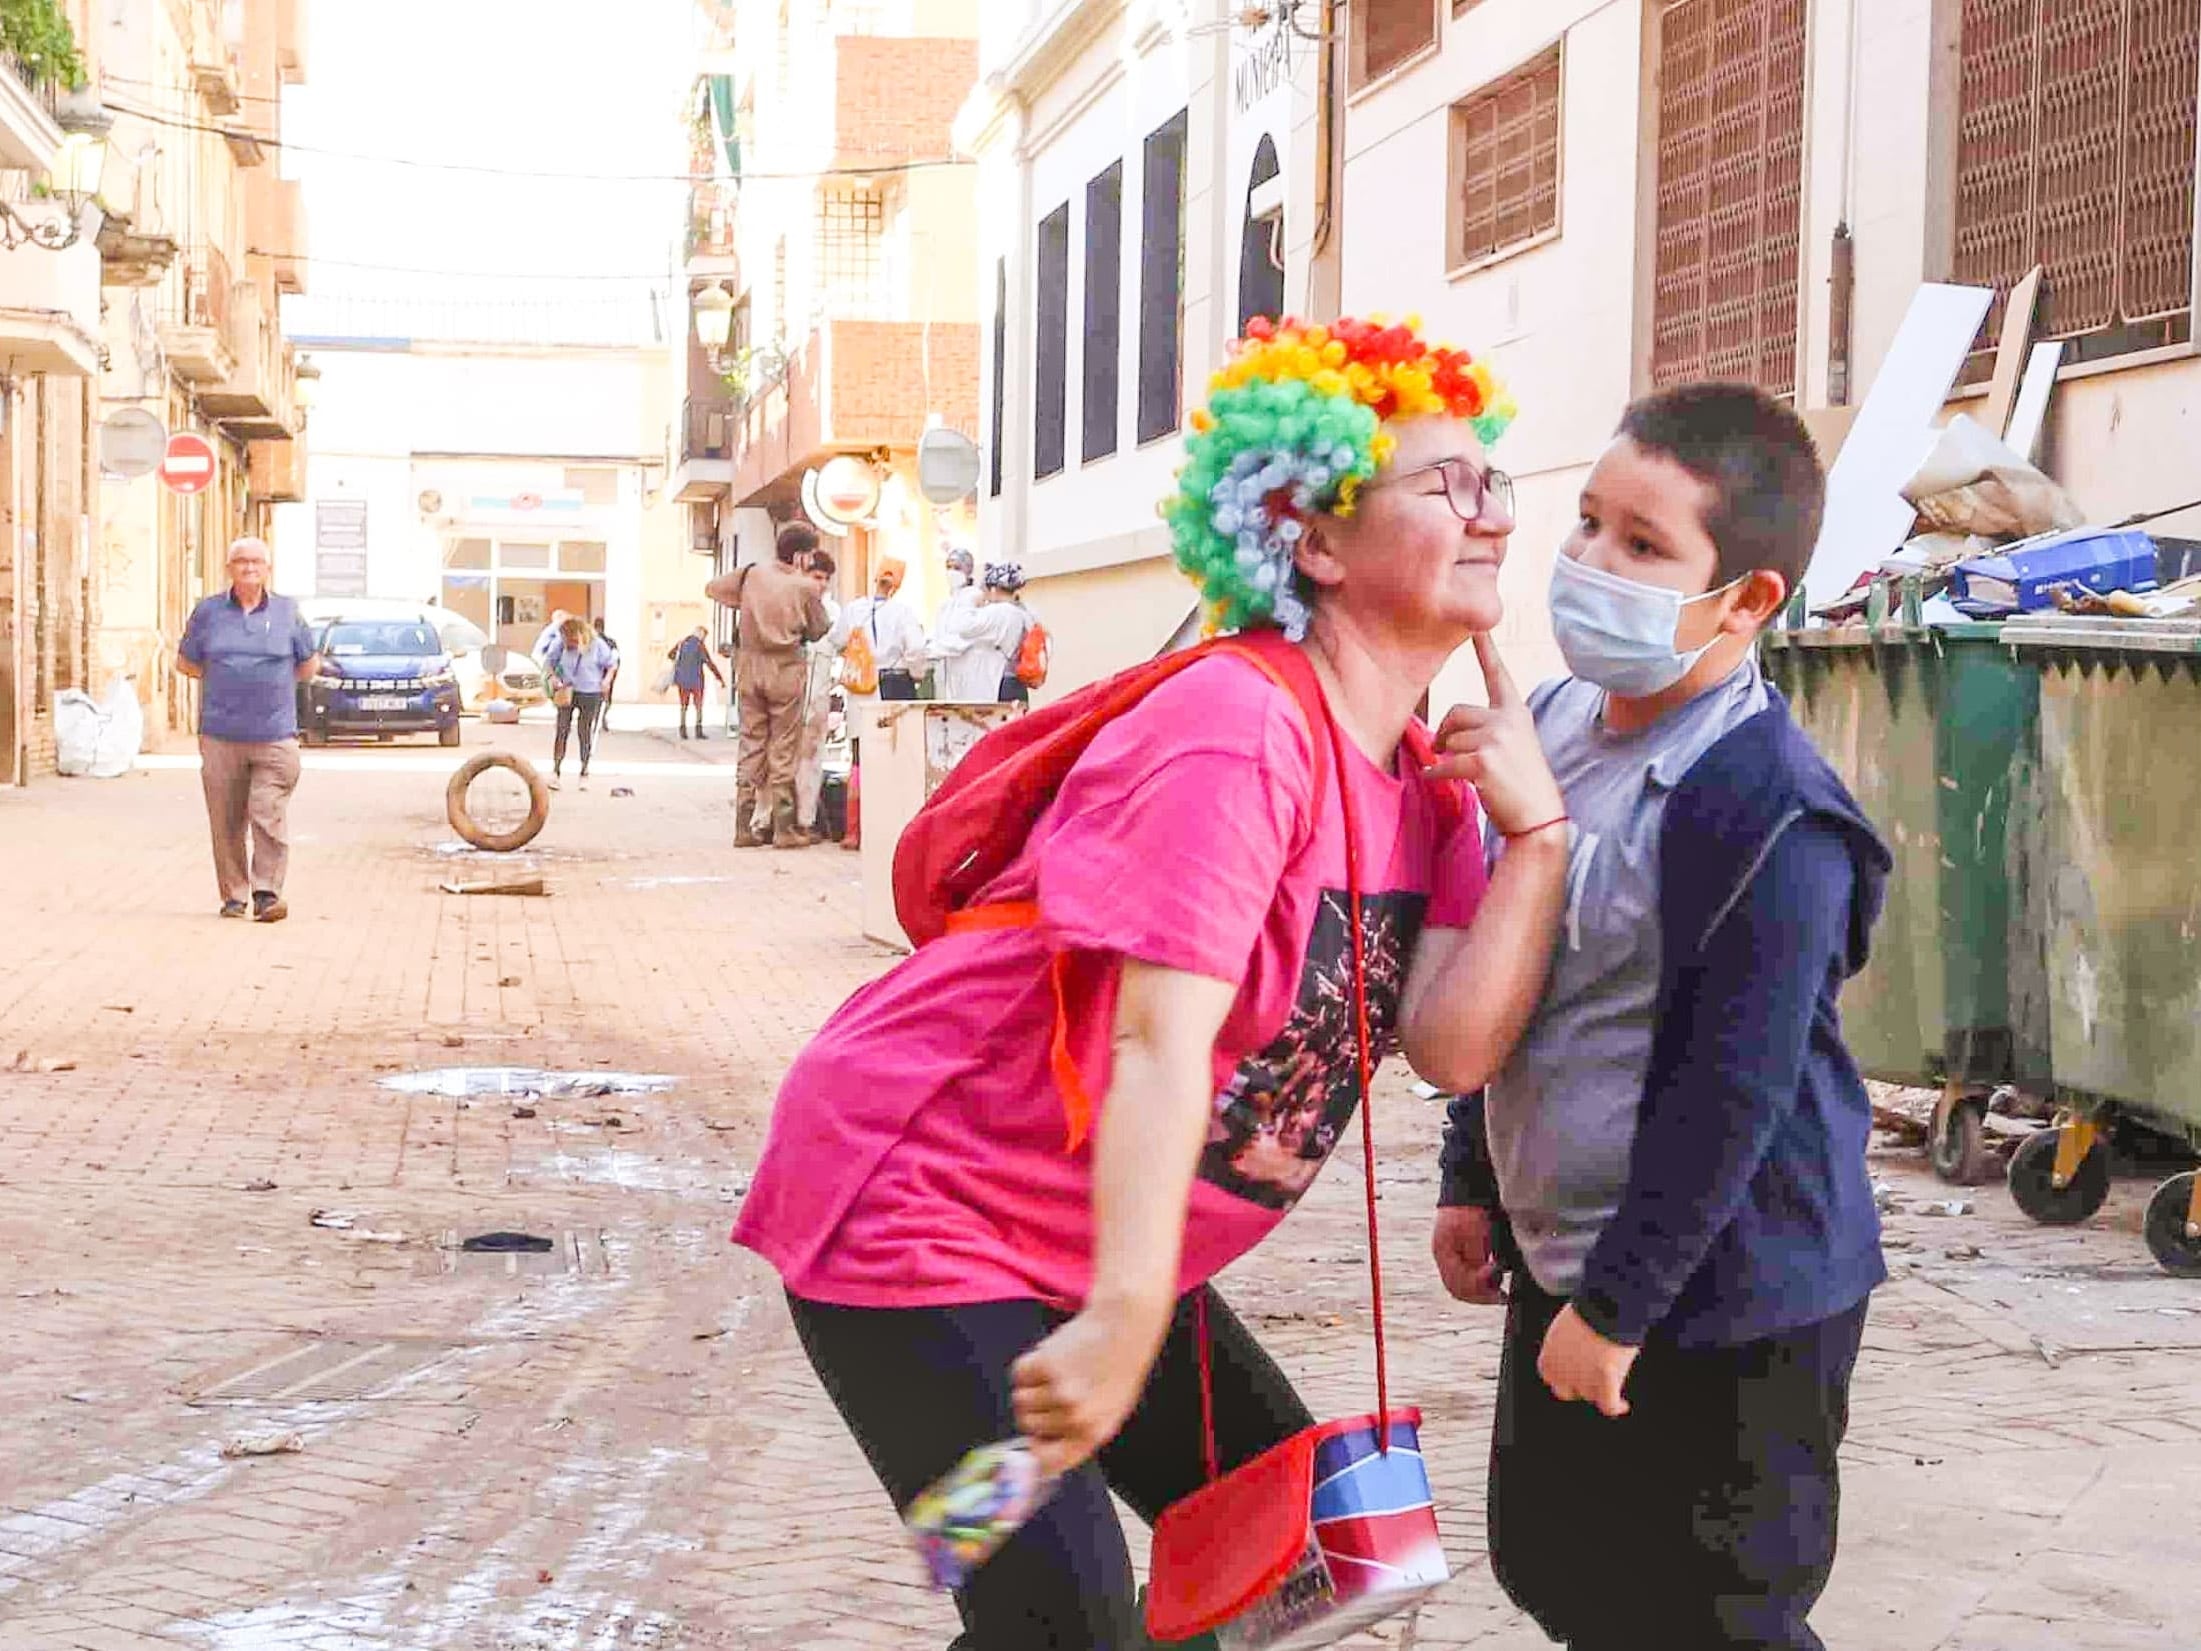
(714, 319)
(306, 384)
(77, 169)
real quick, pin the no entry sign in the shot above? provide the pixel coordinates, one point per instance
(188, 466)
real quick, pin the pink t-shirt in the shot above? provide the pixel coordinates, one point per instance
(917, 1154)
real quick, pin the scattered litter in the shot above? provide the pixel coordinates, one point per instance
(1883, 1197)
(1944, 1206)
(507, 1243)
(1963, 1252)
(1425, 1090)
(334, 1220)
(544, 1577)
(451, 1040)
(610, 1120)
(622, 791)
(120, 1008)
(261, 1185)
(517, 885)
(264, 1444)
(533, 1083)
(713, 1123)
(671, 882)
(508, 980)
(25, 1061)
(520, 1109)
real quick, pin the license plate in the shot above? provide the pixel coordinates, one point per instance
(385, 702)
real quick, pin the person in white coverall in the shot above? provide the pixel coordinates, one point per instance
(977, 646)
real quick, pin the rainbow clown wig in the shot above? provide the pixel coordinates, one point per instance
(1294, 427)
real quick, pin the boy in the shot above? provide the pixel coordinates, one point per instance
(1678, 1140)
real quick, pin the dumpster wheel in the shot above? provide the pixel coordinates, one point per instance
(2174, 1225)
(1957, 1142)
(2033, 1176)
(497, 842)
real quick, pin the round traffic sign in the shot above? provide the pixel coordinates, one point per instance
(131, 442)
(948, 465)
(188, 466)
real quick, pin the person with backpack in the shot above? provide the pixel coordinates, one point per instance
(979, 647)
(1161, 925)
(880, 642)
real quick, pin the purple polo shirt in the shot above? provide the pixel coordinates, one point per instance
(250, 660)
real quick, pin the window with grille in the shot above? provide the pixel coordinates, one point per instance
(1051, 354)
(1388, 32)
(1730, 192)
(1162, 279)
(1103, 349)
(851, 269)
(2075, 135)
(1505, 163)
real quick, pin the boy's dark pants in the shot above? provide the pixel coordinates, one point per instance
(1703, 1518)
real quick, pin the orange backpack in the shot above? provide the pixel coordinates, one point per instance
(859, 664)
(1033, 655)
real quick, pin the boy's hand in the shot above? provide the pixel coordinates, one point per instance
(1578, 1363)
(1495, 750)
(1461, 1245)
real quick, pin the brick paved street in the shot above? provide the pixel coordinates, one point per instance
(617, 1443)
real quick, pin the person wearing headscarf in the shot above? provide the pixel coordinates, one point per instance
(977, 655)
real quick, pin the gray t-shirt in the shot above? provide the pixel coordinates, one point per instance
(1562, 1111)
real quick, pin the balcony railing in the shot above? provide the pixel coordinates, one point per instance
(208, 291)
(42, 78)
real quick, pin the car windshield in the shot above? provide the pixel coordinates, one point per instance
(387, 637)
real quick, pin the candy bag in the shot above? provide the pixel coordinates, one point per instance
(961, 1520)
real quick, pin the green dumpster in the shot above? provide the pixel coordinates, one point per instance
(1935, 730)
(2121, 904)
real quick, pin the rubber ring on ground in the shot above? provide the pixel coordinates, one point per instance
(497, 842)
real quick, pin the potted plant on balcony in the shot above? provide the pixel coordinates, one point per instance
(37, 36)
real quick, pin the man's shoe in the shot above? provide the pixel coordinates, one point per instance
(683, 730)
(700, 734)
(793, 839)
(268, 908)
(235, 908)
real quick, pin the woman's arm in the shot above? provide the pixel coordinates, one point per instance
(1075, 1389)
(1472, 991)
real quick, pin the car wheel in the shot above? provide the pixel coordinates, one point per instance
(312, 736)
(448, 736)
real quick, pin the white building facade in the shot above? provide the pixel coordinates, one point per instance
(1148, 173)
(1609, 195)
(503, 482)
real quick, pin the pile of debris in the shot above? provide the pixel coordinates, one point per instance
(1974, 529)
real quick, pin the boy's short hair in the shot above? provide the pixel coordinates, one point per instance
(795, 539)
(822, 562)
(1760, 462)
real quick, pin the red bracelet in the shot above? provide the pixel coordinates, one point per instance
(1556, 819)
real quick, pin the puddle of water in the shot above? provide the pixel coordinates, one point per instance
(466, 1082)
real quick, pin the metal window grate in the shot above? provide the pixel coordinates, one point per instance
(1388, 32)
(2075, 146)
(1730, 192)
(1506, 141)
(851, 270)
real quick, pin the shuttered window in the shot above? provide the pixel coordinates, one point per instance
(1730, 192)
(2075, 141)
(1505, 163)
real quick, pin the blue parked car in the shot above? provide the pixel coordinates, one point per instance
(379, 678)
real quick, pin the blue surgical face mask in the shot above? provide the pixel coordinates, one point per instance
(1619, 634)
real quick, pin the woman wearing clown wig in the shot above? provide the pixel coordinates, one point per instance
(968, 1256)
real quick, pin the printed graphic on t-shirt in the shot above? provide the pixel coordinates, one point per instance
(1286, 1107)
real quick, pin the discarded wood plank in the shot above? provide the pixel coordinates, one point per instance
(516, 885)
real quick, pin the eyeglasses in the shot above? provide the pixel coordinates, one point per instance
(1478, 497)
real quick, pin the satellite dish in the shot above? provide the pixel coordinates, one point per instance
(948, 465)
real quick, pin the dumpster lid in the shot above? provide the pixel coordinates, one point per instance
(2157, 636)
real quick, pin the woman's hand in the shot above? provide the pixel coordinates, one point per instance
(1074, 1391)
(1494, 749)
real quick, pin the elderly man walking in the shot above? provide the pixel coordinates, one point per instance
(781, 612)
(250, 649)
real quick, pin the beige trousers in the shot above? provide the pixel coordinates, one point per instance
(248, 789)
(770, 687)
